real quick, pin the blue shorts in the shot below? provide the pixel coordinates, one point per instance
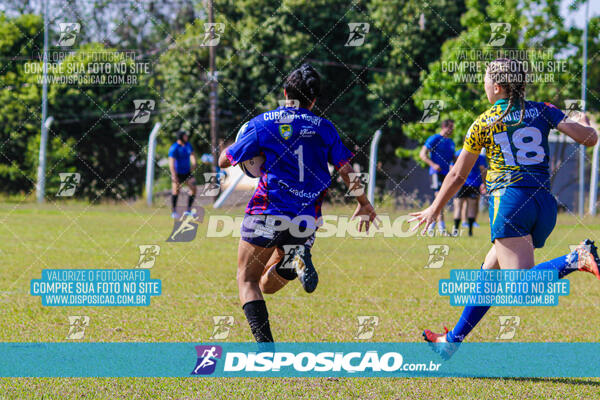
(270, 230)
(522, 211)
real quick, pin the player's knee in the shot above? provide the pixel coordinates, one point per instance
(244, 277)
(272, 282)
(266, 287)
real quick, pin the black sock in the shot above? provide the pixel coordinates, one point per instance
(258, 319)
(191, 201)
(471, 222)
(456, 224)
(174, 201)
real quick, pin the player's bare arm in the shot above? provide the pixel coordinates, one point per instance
(483, 171)
(453, 182)
(580, 131)
(193, 162)
(223, 160)
(424, 155)
(364, 210)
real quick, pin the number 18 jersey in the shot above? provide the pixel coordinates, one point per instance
(518, 156)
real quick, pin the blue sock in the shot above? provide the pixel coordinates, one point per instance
(471, 315)
(563, 264)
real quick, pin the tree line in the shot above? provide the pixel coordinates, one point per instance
(379, 82)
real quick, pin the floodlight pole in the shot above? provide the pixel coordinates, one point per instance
(373, 166)
(150, 163)
(583, 89)
(41, 178)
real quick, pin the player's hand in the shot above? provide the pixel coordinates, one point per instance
(437, 167)
(482, 189)
(367, 215)
(427, 217)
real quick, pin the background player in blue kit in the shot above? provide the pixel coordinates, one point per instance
(523, 210)
(182, 164)
(285, 208)
(438, 153)
(466, 201)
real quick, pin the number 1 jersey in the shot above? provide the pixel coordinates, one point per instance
(297, 146)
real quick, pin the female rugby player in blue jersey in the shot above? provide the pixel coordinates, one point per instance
(297, 146)
(522, 209)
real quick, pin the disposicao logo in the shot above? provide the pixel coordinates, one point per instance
(239, 362)
(311, 362)
(207, 359)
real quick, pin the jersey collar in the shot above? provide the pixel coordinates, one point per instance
(501, 102)
(301, 109)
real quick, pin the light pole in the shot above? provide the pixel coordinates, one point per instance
(583, 89)
(41, 178)
(213, 91)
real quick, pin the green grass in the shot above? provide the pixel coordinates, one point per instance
(373, 276)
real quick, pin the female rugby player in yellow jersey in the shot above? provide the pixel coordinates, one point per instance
(523, 210)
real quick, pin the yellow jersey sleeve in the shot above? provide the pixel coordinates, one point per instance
(476, 136)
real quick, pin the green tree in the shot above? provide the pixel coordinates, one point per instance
(93, 127)
(19, 102)
(364, 87)
(540, 38)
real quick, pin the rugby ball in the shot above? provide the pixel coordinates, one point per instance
(252, 166)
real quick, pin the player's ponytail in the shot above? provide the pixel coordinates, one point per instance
(303, 84)
(510, 75)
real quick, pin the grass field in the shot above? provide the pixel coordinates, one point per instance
(377, 276)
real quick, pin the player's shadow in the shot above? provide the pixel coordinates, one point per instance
(567, 381)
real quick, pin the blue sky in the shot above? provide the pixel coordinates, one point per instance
(577, 17)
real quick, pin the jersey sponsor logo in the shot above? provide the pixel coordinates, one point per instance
(287, 116)
(281, 116)
(312, 119)
(285, 131)
(307, 131)
(529, 114)
(298, 192)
